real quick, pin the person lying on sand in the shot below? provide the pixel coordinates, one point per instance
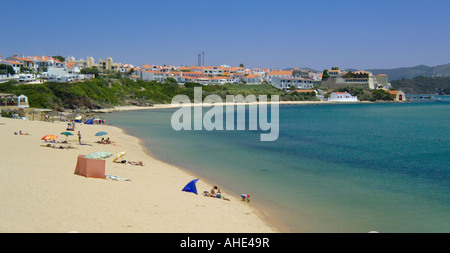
(62, 147)
(51, 141)
(57, 146)
(215, 193)
(20, 132)
(130, 162)
(102, 141)
(135, 163)
(220, 196)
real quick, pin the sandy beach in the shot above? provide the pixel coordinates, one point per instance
(41, 194)
(165, 106)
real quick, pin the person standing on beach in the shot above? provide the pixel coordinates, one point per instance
(79, 137)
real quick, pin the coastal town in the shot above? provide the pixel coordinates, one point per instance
(325, 85)
(211, 125)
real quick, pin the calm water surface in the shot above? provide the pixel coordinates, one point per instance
(334, 168)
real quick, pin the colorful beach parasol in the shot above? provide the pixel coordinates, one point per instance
(99, 155)
(120, 155)
(66, 134)
(49, 137)
(101, 133)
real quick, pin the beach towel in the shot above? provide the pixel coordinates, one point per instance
(117, 178)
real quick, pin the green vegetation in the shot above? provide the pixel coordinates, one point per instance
(423, 85)
(325, 74)
(365, 94)
(59, 58)
(94, 70)
(350, 74)
(105, 92)
(4, 69)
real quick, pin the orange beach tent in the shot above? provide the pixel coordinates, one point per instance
(90, 167)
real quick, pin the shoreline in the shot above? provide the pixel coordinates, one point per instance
(263, 216)
(40, 192)
(168, 106)
(270, 222)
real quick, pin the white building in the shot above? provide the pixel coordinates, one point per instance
(279, 74)
(213, 70)
(72, 68)
(361, 78)
(252, 79)
(342, 97)
(14, 64)
(285, 83)
(149, 75)
(27, 62)
(260, 72)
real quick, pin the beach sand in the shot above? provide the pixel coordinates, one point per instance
(166, 106)
(39, 192)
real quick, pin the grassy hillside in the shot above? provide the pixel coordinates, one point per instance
(103, 93)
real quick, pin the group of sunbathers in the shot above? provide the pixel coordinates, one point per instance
(215, 193)
(103, 141)
(57, 146)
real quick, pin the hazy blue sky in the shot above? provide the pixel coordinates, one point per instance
(278, 34)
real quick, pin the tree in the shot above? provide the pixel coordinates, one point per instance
(6, 69)
(241, 65)
(130, 72)
(93, 70)
(59, 58)
(381, 95)
(325, 74)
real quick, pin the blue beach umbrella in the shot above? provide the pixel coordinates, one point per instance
(101, 133)
(191, 187)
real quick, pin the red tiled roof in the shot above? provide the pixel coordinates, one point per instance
(302, 91)
(280, 73)
(14, 62)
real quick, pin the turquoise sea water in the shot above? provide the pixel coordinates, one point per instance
(334, 167)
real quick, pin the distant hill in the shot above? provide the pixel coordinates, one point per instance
(411, 72)
(423, 85)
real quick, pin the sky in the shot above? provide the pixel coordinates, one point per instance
(265, 34)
